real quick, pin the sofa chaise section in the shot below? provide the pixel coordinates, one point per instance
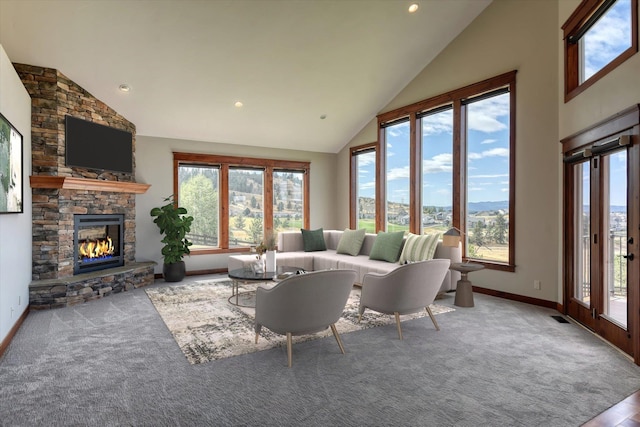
(291, 253)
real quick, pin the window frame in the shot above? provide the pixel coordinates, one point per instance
(578, 23)
(456, 99)
(225, 163)
(353, 179)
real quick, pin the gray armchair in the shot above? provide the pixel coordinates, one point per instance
(408, 289)
(304, 304)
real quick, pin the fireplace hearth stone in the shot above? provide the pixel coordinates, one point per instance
(55, 293)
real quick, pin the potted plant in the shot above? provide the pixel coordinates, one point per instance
(174, 223)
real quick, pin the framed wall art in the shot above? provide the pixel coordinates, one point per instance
(11, 185)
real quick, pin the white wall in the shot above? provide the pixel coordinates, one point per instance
(508, 35)
(15, 229)
(154, 165)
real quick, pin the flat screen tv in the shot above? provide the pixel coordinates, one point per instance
(95, 146)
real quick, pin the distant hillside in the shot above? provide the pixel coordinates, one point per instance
(488, 206)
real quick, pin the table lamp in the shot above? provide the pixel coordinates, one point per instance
(452, 237)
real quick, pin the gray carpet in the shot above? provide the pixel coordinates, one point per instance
(113, 362)
(206, 327)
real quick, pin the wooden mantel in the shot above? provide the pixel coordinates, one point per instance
(72, 183)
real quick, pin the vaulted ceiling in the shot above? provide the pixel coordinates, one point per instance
(290, 62)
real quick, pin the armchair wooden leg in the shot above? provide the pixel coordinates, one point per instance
(289, 344)
(337, 335)
(398, 324)
(257, 336)
(433, 318)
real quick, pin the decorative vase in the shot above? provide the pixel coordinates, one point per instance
(271, 261)
(258, 266)
(174, 272)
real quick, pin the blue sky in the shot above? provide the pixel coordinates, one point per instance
(488, 156)
(608, 38)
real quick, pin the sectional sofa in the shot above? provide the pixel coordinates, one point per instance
(291, 252)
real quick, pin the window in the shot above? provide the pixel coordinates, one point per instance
(363, 187)
(246, 206)
(460, 147)
(234, 200)
(437, 170)
(487, 172)
(288, 200)
(599, 36)
(199, 192)
(397, 163)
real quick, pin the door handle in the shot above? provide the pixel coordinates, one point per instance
(629, 257)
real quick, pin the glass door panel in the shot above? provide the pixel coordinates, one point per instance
(582, 243)
(614, 175)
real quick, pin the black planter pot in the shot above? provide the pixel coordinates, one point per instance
(174, 272)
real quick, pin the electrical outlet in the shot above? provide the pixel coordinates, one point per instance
(536, 284)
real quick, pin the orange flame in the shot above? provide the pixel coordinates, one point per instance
(97, 248)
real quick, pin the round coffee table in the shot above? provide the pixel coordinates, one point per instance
(246, 276)
(464, 289)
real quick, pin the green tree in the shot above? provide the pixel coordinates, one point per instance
(199, 196)
(254, 202)
(477, 237)
(500, 232)
(247, 212)
(255, 230)
(280, 206)
(240, 223)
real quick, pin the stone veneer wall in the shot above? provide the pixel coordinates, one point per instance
(53, 96)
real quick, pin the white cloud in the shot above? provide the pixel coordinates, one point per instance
(607, 38)
(439, 163)
(398, 173)
(438, 123)
(488, 141)
(367, 185)
(499, 175)
(484, 115)
(494, 152)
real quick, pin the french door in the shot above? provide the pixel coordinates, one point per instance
(601, 240)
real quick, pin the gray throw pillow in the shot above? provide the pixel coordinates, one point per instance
(351, 242)
(313, 240)
(387, 246)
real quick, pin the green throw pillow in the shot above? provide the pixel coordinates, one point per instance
(387, 246)
(419, 247)
(351, 242)
(313, 240)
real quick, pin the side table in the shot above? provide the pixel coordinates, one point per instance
(464, 290)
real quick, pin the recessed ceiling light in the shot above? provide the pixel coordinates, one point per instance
(238, 104)
(124, 88)
(413, 7)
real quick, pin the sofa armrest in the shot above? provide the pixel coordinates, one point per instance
(453, 254)
(290, 241)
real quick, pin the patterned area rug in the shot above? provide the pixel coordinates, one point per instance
(207, 327)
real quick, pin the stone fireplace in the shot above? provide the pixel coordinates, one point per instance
(62, 194)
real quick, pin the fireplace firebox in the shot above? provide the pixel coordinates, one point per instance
(98, 242)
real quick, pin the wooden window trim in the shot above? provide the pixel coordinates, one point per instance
(353, 180)
(225, 163)
(454, 98)
(572, 26)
